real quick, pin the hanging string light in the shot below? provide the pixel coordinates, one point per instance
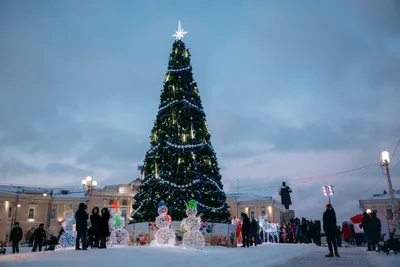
(156, 169)
(192, 131)
(155, 137)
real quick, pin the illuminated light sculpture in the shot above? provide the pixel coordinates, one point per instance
(68, 237)
(271, 229)
(164, 235)
(118, 236)
(193, 238)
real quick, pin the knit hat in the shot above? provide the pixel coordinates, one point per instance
(328, 206)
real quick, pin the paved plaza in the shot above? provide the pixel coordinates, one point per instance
(349, 257)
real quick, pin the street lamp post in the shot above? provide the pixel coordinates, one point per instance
(89, 184)
(49, 208)
(385, 160)
(328, 191)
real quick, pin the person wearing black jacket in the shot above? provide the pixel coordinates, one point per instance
(38, 236)
(104, 230)
(95, 221)
(254, 231)
(245, 230)
(330, 228)
(366, 226)
(375, 227)
(16, 237)
(81, 218)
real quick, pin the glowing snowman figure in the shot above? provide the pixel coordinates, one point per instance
(192, 238)
(164, 235)
(119, 236)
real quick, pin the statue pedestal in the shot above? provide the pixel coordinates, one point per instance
(287, 215)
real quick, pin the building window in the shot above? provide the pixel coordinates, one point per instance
(53, 212)
(110, 202)
(9, 212)
(124, 213)
(31, 213)
(124, 202)
(389, 213)
(251, 214)
(262, 212)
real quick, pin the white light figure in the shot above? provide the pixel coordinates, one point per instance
(193, 238)
(180, 33)
(118, 236)
(68, 237)
(267, 227)
(164, 235)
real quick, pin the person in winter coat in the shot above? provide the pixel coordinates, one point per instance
(16, 237)
(339, 236)
(347, 233)
(329, 226)
(38, 236)
(304, 231)
(366, 226)
(81, 218)
(95, 223)
(254, 231)
(245, 230)
(104, 230)
(317, 225)
(375, 227)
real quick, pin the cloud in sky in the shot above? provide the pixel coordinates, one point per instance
(290, 90)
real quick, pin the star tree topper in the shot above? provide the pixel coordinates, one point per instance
(180, 33)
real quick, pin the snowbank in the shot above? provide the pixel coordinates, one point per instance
(161, 257)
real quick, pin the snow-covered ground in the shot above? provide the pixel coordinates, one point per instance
(158, 256)
(266, 255)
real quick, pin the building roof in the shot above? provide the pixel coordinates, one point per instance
(27, 191)
(386, 195)
(242, 197)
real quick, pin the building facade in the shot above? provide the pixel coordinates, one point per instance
(380, 203)
(31, 206)
(254, 206)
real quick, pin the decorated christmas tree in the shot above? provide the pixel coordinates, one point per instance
(181, 163)
(68, 236)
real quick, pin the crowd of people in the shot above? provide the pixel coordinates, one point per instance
(372, 229)
(251, 232)
(95, 236)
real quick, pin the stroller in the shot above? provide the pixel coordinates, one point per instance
(51, 243)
